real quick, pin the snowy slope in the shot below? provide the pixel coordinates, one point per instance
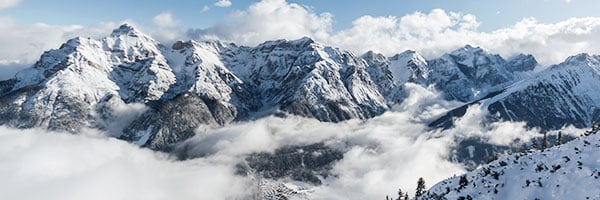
(60, 91)
(88, 83)
(568, 171)
(410, 66)
(561, 95)
(470, 73)
(465, 75)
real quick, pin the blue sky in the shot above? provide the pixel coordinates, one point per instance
(492, 14)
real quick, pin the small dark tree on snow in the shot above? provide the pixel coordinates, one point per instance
(406, 196)
(463, 182)
(420, 187)
(559, 139)
(545, 141)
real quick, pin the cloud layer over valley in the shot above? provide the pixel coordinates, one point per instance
(380, 155)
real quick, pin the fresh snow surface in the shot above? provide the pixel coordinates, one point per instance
(568, 171)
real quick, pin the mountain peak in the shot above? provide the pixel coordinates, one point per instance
(582, 57)
(302, 42)
(372, 56)
(409, 51)
(593, 61)
(521, 62)
(468, 49)
(125, 29)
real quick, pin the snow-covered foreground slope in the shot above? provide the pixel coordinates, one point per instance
(568, 171)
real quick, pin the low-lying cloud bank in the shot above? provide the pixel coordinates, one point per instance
(40, 165)
(381, 155)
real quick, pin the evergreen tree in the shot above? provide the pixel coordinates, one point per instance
(420, 187)
(406, 196)
(545, 141)
(463, 182)
(559, 139)
(387, 197)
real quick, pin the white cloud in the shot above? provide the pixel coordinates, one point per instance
(168, 29)
(395, 148)
(8, 68)
(223, 3)
(268, 20)
(383, 154)
(165, 19)
(438, 32)
(37, 165)
(432, 33)
(24, 43)
(5, 4)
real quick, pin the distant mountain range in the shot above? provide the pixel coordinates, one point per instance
(153, 95)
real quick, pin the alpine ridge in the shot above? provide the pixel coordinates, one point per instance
(154, 95)
(558, 96)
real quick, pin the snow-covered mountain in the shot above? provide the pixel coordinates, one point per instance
(86, 81)
(62, 90)
(465, 75)
(144, 92)
(470, 73)
(568, 171)
(564, 94)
